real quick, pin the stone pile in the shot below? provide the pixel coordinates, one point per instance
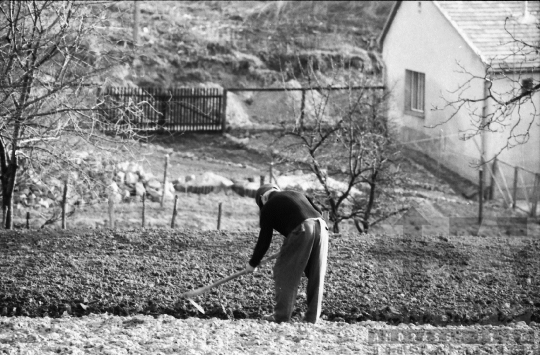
(128, 181)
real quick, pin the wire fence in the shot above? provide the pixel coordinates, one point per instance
(300, 106)
(516, 186)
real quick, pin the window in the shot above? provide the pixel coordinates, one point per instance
(415, 84)
(526, 85)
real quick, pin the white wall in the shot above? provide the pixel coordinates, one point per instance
(524, 118)
(423, 40)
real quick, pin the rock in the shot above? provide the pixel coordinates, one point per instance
(153, 195)
(120, 177)
(241, 142)
(248, 189)
(131, 178)
(181, 187)
(139, 189)
(145, 177)
(115, 197)
(153, 184)
(237, 115)
(169, 188)
(123, 166)
(134, 168)
(112, 189)
(168, 195)
(45, 202)
(216, 182)
(126, 194)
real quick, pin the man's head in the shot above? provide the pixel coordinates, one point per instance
(263, 193)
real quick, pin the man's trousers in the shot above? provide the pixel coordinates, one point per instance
(304, 250)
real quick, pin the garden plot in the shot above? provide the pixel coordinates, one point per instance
(107, 334)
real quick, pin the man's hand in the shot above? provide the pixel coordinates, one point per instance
(250, 268)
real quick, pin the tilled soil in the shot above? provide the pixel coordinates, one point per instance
(107, 334)
(431, 280)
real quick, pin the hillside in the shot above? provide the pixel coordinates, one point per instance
(246, 43)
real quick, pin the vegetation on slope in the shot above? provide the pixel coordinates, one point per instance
(246, 43)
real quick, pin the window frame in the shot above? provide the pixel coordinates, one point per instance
(415, 93)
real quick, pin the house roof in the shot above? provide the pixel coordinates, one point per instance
(496, 30)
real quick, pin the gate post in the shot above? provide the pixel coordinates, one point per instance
(514, 187)
(535, 195)
(162, 118)
(224, 111)
(492, 182)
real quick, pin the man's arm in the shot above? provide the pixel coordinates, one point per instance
(313, 204)
(263, 243)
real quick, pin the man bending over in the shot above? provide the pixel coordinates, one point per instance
(304, 249)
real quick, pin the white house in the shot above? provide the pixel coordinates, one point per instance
(441, 52)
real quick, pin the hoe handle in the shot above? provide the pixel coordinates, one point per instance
(204, 289)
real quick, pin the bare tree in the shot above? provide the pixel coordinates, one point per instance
(510, 86)
(348, 144)
(53, 57)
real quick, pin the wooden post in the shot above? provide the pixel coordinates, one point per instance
(111, 211)
(143, 209)
(302, 109)
(28, 220)
(219, 217)
(174, 212)
(514, 187)
(271, 171)
(536, 192)
(262, 180)
(163, 112)
(64, 203)
(480, 195)
(492, 181)
(224, 111)
(165, 179)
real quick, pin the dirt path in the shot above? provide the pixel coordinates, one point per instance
(106, 334)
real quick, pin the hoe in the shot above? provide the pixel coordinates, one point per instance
(197, 292)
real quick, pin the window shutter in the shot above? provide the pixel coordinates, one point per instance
(422, 91)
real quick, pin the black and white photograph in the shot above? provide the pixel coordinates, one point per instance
(270, 177)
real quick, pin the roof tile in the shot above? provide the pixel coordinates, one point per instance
(492, 25)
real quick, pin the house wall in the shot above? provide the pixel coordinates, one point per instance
(423, 40)
(524, 118)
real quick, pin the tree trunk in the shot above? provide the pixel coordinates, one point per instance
(8, 186)
(371, 201)
(336, 221)
(136, 21)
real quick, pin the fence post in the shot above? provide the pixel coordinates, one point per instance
(262, 180)
(492, 181)
(165, 179)
(514, 187)
(302, 109)
(536, 192)
(64, 203)
(143, 209)
(219, 217)
(480, 195)
(162, 117)
(224, 111)
(27, 219)
(174, 212)
(271, 172)
(111, 211)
